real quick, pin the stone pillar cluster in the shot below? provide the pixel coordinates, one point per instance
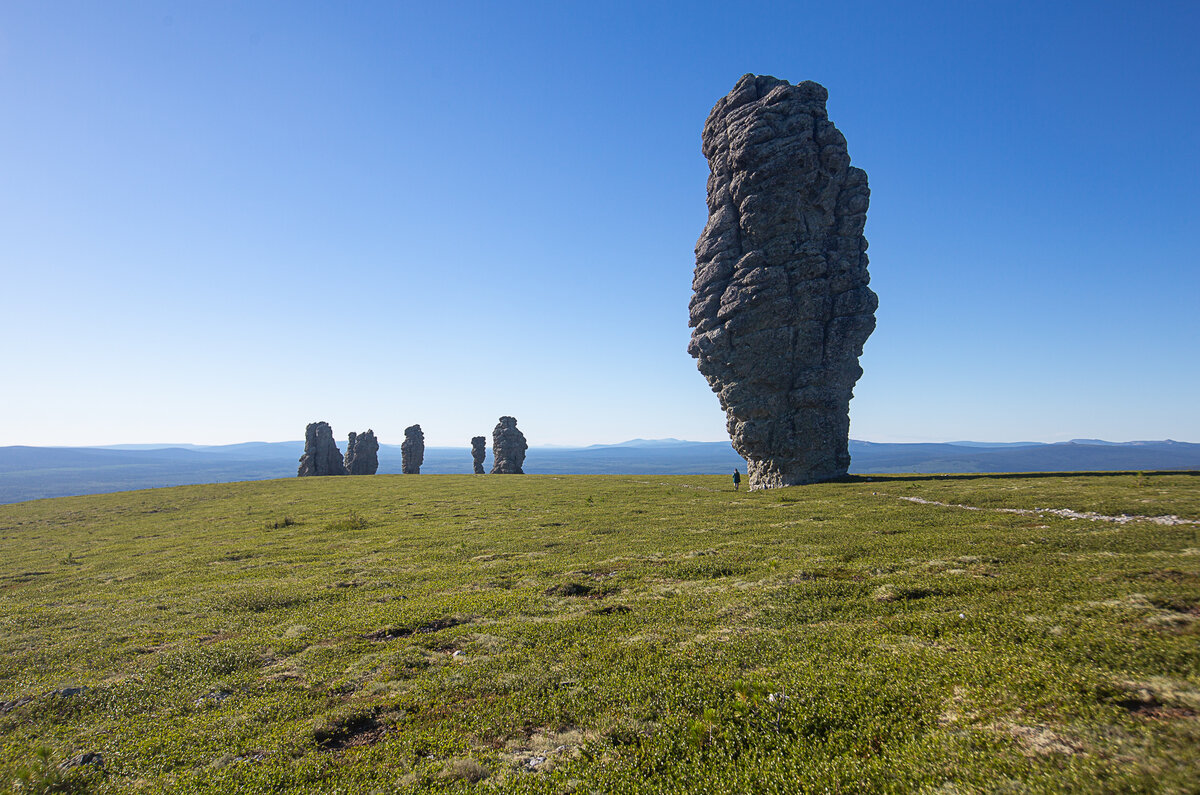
(322, 457)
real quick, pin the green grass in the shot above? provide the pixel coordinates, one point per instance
(603, 634)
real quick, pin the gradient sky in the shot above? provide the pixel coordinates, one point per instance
(220, 221)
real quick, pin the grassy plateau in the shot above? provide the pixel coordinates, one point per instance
(598, 634)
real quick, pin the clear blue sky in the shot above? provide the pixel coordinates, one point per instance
(220, 221)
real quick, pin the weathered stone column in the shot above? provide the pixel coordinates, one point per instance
(478, 452)
(362, 453)
(321, 455)
(508, 448)
(412, 450)
(781, 306)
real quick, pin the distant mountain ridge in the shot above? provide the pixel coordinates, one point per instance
(28, 473)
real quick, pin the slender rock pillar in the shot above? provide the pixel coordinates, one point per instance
(412, 450)
(478, 452)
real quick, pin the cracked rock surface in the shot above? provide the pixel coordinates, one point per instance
(321, 454)
(781, 307)
(508, 448)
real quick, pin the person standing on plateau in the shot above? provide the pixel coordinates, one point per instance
(737, 479)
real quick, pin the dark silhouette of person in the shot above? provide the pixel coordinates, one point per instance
(737, 479)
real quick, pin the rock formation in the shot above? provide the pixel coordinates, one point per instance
(362, 453)
(478, 452)
(412, 450)
(321, 455)
(508, 448)
(781, 306)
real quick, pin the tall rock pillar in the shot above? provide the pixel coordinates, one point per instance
(508, 448)
(362, 453)
(321, 455)
(478, 452)
(412, 450)
(781, 306)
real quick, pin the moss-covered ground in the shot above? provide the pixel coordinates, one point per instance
(603, 634)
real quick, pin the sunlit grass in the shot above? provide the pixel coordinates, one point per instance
(603, 634)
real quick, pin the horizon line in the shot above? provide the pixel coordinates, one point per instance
(577, 446)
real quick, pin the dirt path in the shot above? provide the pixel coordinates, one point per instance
(1066, 513)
